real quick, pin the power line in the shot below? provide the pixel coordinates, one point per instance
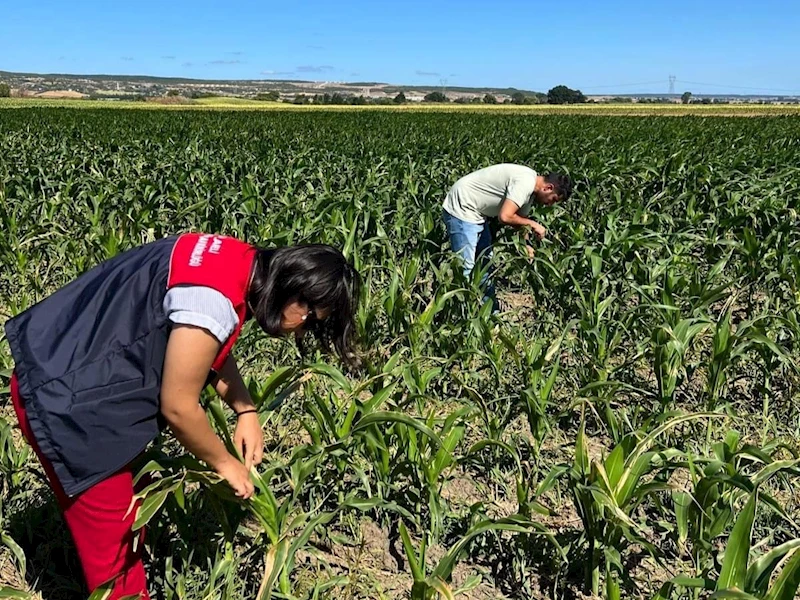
(673, 80)
(594, 87)
(740, 87)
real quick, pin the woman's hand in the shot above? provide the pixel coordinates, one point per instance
(249, 439)
(238, 477)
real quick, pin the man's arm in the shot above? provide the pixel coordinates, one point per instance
(509, 215)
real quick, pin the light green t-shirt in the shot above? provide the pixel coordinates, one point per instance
(479, 195)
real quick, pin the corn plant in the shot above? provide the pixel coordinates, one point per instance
(285, 527)
(672, 280)
(430, 582)
(13, 467)
(706, 509)
(743, 577)
(606, 493)
(732, 346)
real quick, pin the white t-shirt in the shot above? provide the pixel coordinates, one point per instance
(479, 195)
(201, 306)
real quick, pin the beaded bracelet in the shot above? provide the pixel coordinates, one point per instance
(244, 412)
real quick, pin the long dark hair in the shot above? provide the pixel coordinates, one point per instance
(318, 275)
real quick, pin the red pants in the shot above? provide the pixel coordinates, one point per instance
(97, 522)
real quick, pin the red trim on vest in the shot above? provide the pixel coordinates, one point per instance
(221, 263)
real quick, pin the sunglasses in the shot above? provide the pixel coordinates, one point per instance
(311, 322)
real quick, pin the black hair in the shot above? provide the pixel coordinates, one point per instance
(318, 275)
(561, 183)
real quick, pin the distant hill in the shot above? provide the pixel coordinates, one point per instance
(90, 83)
(128, 86)
(138, 78)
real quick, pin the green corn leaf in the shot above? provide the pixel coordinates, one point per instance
(720, 522)
(786, 584)
(16, 550)
(393, 361)
(776, 467)
(682, 581)
(612, 386)
(434, 306)
(614, 465)
(732, 594)
(581, 450)
(285, 393)
(411, 555)
(552, 478)
(444, 590)
(152, 466)
(777, 351)
(277, 378)
(737, 550)
(344, 430)
(8, 592)
(650, 439)
(683, 502)
(377, 418)
(486, 443)
(333, 373)
(104, 591)
(379, 397)
(760, 571)
(150, 506)
(612, 585)
(274, 562)
(470, 583)
(159, 484)
(630, 478)
(514, 523)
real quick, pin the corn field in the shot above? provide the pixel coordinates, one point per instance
(626, 428)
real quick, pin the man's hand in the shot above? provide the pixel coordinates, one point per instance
(509, 216)
(238, 477)
(249, 439)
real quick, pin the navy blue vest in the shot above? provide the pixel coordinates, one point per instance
(88, 361)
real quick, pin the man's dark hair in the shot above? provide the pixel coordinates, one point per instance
(561, 183)
(318, 275)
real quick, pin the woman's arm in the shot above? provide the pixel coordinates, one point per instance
(248, 437)
(190, 354)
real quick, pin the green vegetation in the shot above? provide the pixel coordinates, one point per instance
(436, 97)
(528, 106)
(268, 96)
(627, 429)
(561, 94)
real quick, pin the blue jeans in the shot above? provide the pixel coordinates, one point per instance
(473, 243)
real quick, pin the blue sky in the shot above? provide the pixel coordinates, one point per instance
(614, 46)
